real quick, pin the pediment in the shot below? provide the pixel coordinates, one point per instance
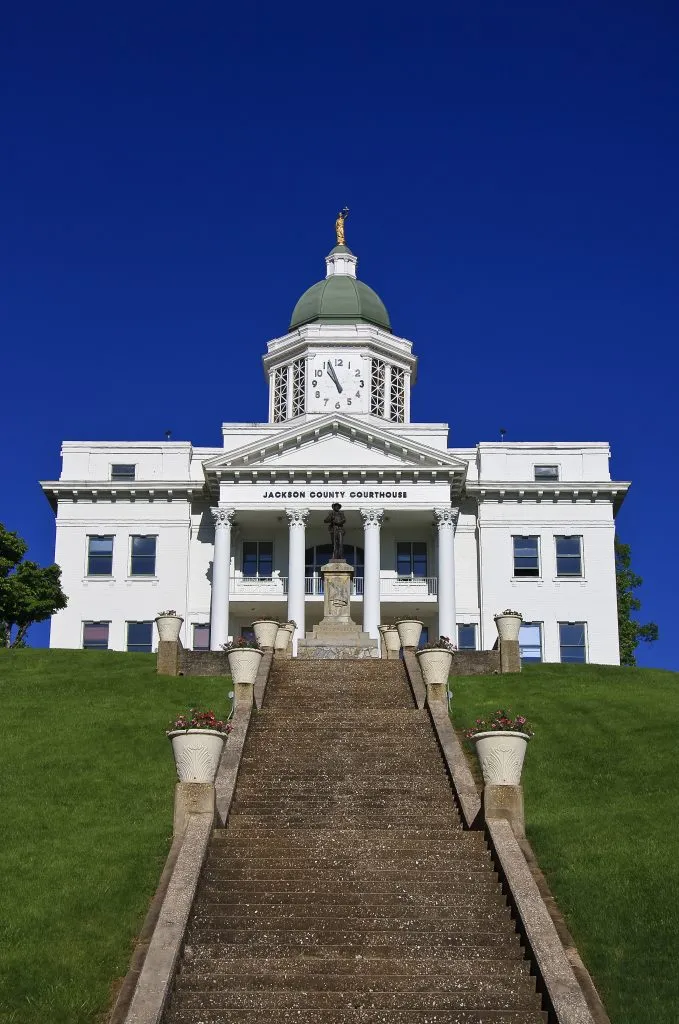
(337, 445)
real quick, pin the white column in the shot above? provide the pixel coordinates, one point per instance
(297, 518)
(446, 518)
(372, 519)
(221, 572)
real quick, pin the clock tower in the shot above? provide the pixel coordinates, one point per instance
(340, 354)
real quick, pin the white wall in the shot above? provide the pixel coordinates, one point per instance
(549, 599)
(120, 597)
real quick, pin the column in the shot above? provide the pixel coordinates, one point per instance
(372, 520)
(297, 518)
(446, 519)
(221, 572)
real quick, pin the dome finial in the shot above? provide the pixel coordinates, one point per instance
(339, 225)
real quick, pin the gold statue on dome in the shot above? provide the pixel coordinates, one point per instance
(339, 225)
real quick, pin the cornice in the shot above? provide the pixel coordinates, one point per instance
(122, 490)
(559, 491)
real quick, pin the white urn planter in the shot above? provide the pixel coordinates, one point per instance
(392, 641)
(243, 664)
(197, 753)
(501, 756)
(435, 665)
(410, 631)
(284, 634)
(169, 627)
(265, 632)
(508, 626)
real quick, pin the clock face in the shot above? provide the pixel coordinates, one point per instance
(339, 381)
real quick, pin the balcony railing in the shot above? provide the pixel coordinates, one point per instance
(409, 588)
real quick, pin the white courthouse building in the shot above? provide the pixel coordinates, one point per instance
(229, 534)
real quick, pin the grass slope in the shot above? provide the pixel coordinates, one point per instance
(602, 806)
(87, 820)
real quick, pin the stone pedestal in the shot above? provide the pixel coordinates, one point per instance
(192, 798)
(510, 656)
(337, 635)
(505, 802)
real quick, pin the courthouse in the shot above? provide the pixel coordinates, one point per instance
(232, 533)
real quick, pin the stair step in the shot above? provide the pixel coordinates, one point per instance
(358, 842)
(431, 887)
(326, 905)
(353, 861)
(510, 997)
(219, 916)
(360, 976)
(415, 943)
(354, 1016)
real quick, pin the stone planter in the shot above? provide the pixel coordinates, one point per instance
(501, 756)
(197, 753)
(508, 626)
(392, 641)
(169, 626)
(410, 631)
(435, 665)
(265, 632)
(284, 635)
(243, 664)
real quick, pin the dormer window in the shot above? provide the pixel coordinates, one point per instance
(546, 472)
(123, 471)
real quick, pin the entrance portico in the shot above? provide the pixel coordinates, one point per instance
(403, 560)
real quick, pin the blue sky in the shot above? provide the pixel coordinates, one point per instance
(169, 182)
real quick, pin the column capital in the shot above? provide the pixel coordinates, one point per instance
(222, 517)
(446, 518)
(372, 517)
(297, 516)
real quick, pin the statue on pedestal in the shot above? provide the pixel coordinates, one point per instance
(336, 520)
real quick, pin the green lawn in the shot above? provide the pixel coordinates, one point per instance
(602, 814)
(87, 818)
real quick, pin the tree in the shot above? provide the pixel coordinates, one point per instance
(28, 592)
(631, 632)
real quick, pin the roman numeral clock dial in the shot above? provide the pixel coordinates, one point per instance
(339, 382)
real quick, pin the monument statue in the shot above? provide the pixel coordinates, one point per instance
(336, 520)
(339, 225)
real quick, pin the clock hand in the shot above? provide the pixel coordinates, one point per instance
(333, 377)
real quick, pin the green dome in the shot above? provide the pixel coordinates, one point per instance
(340, 299)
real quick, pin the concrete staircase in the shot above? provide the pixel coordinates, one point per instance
(344, 888)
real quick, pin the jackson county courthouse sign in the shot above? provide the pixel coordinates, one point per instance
(230, 534)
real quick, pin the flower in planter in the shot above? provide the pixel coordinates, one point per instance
(170, 612)
(509, 611)
(197, 719)
(406, 618)
(502, 721)
(443, 643)
(241, 643)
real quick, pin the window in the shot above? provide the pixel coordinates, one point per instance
(572, 642)
(530, 641)
(568, 556)
(546, 472)
(526, 556)
(424, 636)
(398, 394)
(143, 556)
(298, 386)
(123, 471)
(320, 554)
(99, 556)
(201, 636)
(377, 388)
(140, 637)
(280, 394)
(258, 558)
(95, 636)
(466, 637)
(411, 558)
